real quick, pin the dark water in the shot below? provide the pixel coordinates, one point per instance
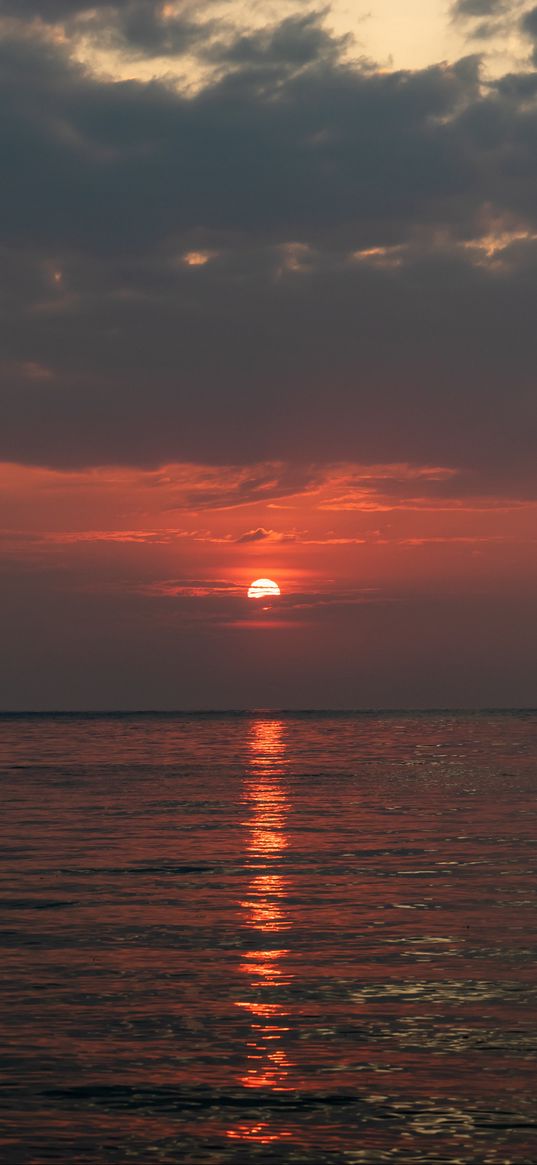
(269, 938)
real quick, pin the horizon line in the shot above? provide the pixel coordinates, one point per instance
(272, 711)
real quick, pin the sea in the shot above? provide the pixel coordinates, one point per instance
(268, 937)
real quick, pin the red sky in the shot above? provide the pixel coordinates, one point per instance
(128, 587)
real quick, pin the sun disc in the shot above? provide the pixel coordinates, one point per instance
(263, 588)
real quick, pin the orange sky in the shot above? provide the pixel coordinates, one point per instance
(128, 587)
(392, 523)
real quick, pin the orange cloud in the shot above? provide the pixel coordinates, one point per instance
(341, 521)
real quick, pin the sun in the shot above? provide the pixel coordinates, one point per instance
(263, 588)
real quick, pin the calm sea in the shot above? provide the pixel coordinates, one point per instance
(269, 937)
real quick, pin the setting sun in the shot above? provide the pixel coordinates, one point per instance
(263, 588)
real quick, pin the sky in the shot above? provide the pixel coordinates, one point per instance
(267, 310)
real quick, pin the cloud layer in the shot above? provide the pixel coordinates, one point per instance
(305, 258)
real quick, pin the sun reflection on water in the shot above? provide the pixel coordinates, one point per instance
(265, 967)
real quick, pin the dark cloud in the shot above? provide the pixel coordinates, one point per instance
(478, 8)
(148, 28)
(194, 600)
(430, 360)
(340, 154)
(259, 535)
(139, 27)
(142, 28)
(262, 535)
(55, 11)
(296, 42)
(529, 27)
(485, 19)
(529, 22)
(291, 264)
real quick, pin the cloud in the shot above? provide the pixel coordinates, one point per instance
(259, 535)
(478, 8)
(193, 588)
(372, 262)
(124, 516)
(219, 600)
(293, 44)
(530, 22)
(54, 11)
(262, 535)
(156, 29)
(485, 20)
(529, 28)
(308, 167)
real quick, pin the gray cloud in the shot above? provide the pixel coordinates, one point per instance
(147, 28)
(262, 535)
(141, 28)
(55, 11)
(529, 27)
(478, 8)
(296, 42)
(342, 154)
(286, 265)
(485, 19)
(259, 535)
(530, 22)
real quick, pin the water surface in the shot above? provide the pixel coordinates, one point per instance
(268, 938)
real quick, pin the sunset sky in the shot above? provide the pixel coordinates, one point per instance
(269, 276)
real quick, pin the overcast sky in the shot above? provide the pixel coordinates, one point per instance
(268, 292)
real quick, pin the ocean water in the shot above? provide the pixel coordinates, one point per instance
(268, 937)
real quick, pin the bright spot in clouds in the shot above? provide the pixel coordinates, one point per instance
(263, 588)
(197, 258)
